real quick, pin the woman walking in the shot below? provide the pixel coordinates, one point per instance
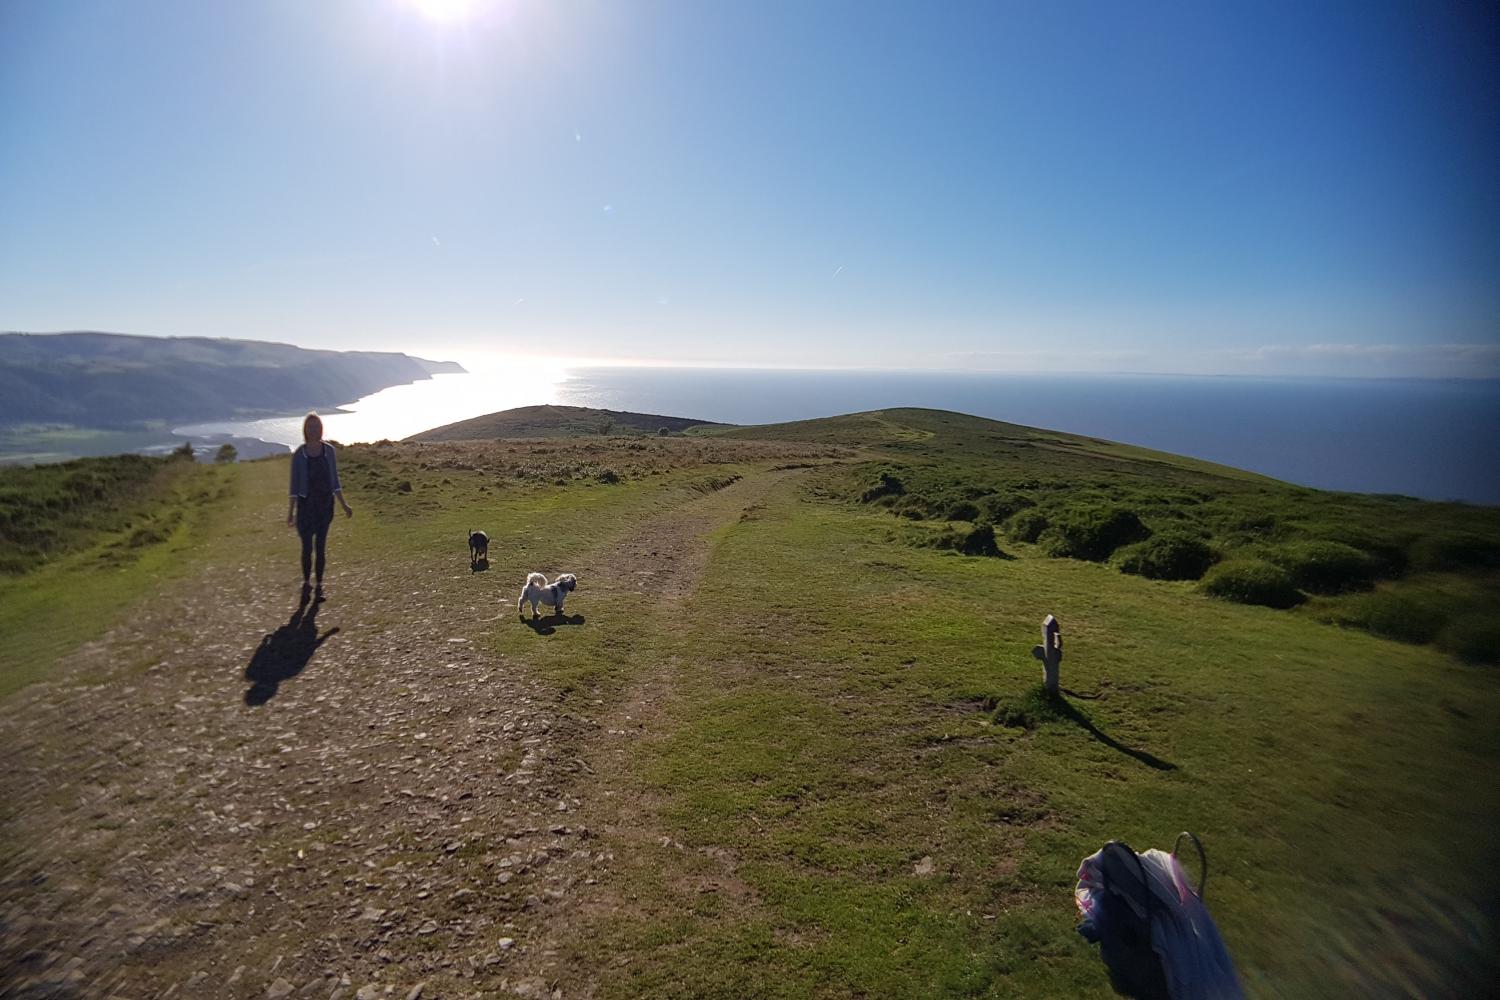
(315, 484)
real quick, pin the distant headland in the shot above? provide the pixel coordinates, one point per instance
(69, 386)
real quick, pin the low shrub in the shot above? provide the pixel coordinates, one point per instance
(149, 534)
(1091, 532)
(1323, 567)
(1388, 552)
(976, 541)
(1025, 526)
(1472, 637)
(1395, 614)
(1251, 581)
(887, 484)
(1455, 551)
(979, 541)
(963, 510)
(1166, 557)
(1031, 709)
(999, 506)
(1252, 522)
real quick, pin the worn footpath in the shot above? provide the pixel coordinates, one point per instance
(238, 794)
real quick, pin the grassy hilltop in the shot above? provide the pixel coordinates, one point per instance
(786, 743)
(557, 421)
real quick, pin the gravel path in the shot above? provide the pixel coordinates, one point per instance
(375, 806)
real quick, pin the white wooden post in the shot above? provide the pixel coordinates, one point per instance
(1050, 653)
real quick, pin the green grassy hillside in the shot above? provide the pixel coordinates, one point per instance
(81, 541)
(787, 742)
(1411, 570)
(558, 421)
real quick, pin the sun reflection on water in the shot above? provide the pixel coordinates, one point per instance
(403, 410)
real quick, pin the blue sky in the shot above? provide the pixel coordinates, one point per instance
(1198, 187)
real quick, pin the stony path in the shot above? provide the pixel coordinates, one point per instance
(382, 808)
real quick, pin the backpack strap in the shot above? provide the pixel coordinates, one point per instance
(1202, 859)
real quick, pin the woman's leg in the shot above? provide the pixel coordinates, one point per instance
(321, 535)
(307, 550)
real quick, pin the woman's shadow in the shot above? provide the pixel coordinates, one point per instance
(282, 654)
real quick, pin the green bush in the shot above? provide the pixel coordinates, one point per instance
(888, 484)
(999, 506)
(979, 541)
(1251, 581)
(1025, 526)
(1091, 532)
(1395, 614)
(1388, 552)
(1324, 567)
(976, 541)
(1473, 637)
(963, 510)
(1166, 557)
(1455, 551)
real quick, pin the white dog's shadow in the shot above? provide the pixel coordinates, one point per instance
(547, 624)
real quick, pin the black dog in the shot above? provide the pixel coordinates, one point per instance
(479, 548)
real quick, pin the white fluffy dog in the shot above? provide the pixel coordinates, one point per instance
(539, 591)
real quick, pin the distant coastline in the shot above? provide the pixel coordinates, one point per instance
(88, 393)
(125, 382)
(1429, 438)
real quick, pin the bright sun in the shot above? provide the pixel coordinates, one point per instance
(445, 11)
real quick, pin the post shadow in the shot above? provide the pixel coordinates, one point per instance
(547, 625)
(1067, 712)
(282, 654)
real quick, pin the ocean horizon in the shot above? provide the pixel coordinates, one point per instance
(1429, 438)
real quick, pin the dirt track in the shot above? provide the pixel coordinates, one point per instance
(201, 822)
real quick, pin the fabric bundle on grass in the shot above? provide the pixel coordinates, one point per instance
(1154, 933)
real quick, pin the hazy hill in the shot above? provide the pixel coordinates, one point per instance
(557, 421)
(108, 380)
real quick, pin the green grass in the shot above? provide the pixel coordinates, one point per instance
(50, 511)
(560, 421)
(853, 786)
(1093, 500)
(832, 745)
(95, 536)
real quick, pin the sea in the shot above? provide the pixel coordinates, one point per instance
(1430, 438)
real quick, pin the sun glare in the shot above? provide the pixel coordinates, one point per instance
(445, 11)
